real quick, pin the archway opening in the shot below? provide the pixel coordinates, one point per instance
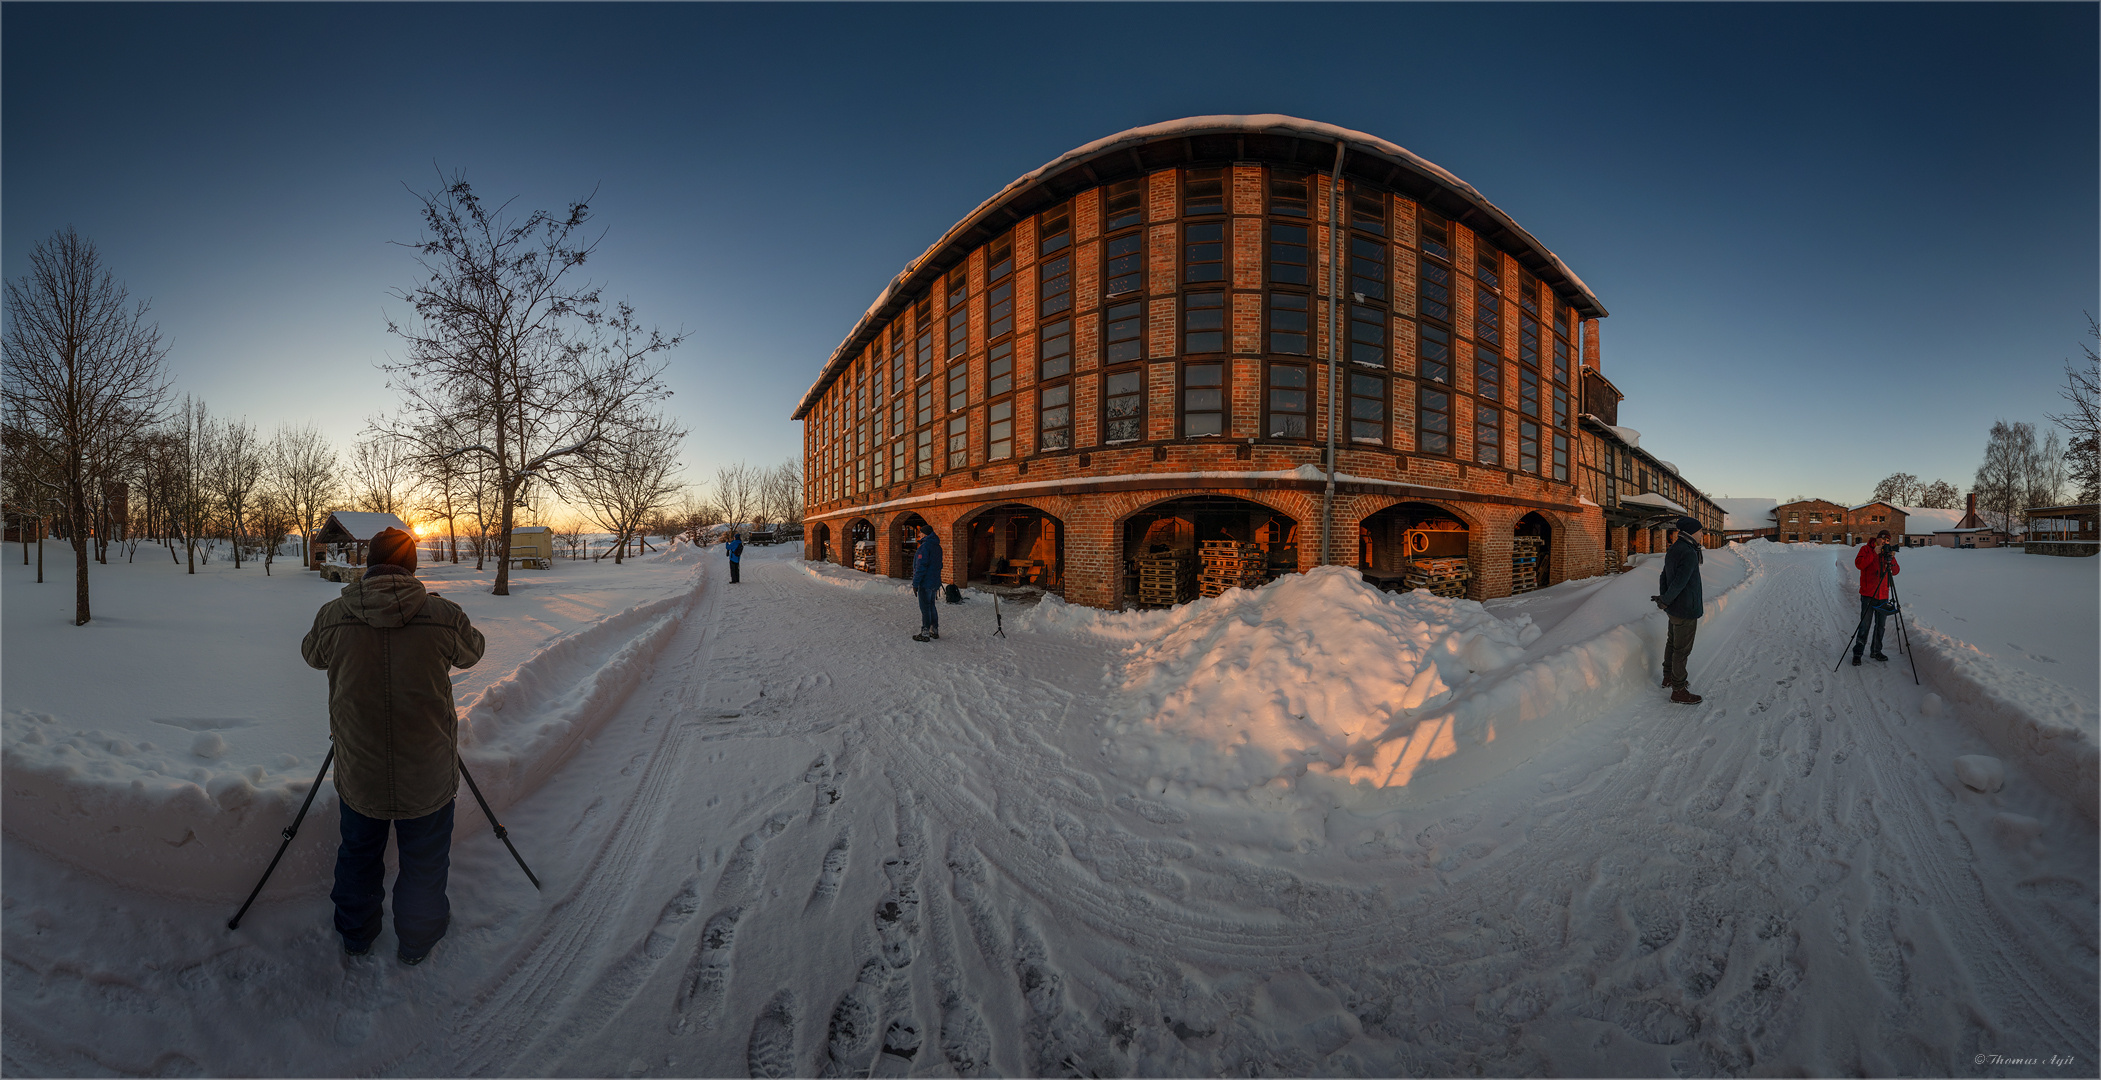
(1531, 554)
(1203, 545)
(818, 549)
(860, 536)
(1414, 546)
(1017, 546)
(904, 543)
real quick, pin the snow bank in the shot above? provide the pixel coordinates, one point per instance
(167, 743)
(1386, 697)
(848, 578)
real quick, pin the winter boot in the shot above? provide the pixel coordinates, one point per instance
(1878, 656)
(356, 950)
(934, 634)
(1685, 697)
(1856, 659)
(921, 636)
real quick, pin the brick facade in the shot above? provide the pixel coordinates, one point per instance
(1069, 488)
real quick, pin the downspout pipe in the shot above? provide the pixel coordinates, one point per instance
(1327, 498)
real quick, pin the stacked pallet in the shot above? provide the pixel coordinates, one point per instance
(1524, 563)
(1615, 562)
(1165, 578)
(1230, 564)
(864, 556)
(1441, 577)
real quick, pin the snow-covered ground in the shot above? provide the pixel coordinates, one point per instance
(1309, 830)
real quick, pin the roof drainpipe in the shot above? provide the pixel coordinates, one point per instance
(1327, 499)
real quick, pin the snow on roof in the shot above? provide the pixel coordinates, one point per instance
(361, 525)
(1629, 436)
(1652, 499)
(1747, 513)
(1874, 502)
(516, 529)
(1261, 123)
(1920, 520)
(1672, 466)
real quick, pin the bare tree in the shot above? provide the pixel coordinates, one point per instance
(737, 492)
(507, 334)
(83, 367)
(380, 471)
(236, 472)
(2046, 483)
(2002, 480)
(195, 438)
(1897, 489)
(304, 478)
(631, 476)
(2082, 422)
(1940, 495)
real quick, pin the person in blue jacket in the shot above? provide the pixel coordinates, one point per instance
(736, 552)
(926, 584)
(1680, 599)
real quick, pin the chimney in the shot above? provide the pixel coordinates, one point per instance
(1589, 345)
(1970, 514)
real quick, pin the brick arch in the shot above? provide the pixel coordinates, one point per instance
(817, 540)
(965, 558)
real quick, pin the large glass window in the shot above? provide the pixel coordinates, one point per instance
(1367, 335)
(999, 369)
(1203, 323)
(1287, 323)
(1436, 236)
(1488, 434)
(1528, 340)
(1123, 406)
(1125, 272)
(923, 321)
(958, 309)
(1487, 265)
(926, 403)
(1434, 290)
(1561, 361)
(1056, 290)
(1488, 373)
(959, 442)
(1204, 252)
(1368, 268)
(926, 451)
(1488, 316)
(999, 310)
(1433, 420)
(1203, 399)
(1125, 339)
(1126, 204)
(1527, 446)
(999, 430)
(1203, 192)
(1433, 354)
(1054, 232)
(958, 387)
(1528, 392)
(1287, 254)
(1288, 193)
(1054, 418)
(1560, 456)
(1367, 407)
(898, 362)
(1528, 293)
(897, 462)
(1560, 408)
(1368, 211)
(1056, 350)
(999, 258)
(1288, 401)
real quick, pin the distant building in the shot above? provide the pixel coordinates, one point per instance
(2063, 530)
(1811, 521)
(1748, 519)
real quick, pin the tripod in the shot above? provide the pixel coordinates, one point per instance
(1889, 585)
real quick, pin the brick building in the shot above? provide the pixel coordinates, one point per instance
(1126, 353)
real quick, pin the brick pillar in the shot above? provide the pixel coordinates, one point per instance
(1093, 559)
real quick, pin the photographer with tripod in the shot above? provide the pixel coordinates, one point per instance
(1877, 563)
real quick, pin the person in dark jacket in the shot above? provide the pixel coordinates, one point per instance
(735, 548)
(1681, 601)
(389, 647)
(1877, 563)
(926, 584)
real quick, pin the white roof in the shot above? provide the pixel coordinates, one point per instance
(1740, 514)
(1921, 520)
(1652, 499)
(362, 525)
(1629, 436)
(516, 529)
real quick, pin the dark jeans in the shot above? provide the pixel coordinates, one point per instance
(733, 571)
(929, 615)
(1676, 647)
(421, 912)
(1870, 608)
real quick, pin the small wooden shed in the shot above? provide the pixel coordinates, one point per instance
(532, 545)
(352, 529)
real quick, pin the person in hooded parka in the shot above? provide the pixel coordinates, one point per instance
(389, 647)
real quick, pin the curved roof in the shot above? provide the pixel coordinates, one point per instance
(1267, 137)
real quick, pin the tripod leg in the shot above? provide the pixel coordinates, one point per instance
(502, 833)
(290, 831)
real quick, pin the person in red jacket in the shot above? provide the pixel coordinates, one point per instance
(1877, 563)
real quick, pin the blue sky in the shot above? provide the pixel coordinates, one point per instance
(1836, 240)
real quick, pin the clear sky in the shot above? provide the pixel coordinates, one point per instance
(1836, 240)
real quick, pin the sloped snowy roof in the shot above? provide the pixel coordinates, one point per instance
(1123, 147)
(1651, 499)
(356, 525)
(1739, 514)
(1922, 520)
(1874, 502)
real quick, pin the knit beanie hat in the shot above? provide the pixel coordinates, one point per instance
(1688, 525)
(394, 548)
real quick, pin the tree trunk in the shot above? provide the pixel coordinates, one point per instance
(79, 494)
(503, 539)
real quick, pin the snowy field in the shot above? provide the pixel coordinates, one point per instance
(1310, 829)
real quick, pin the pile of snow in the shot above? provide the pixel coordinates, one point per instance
(845, 577)
(1371, 695)
(167, 742)
(1745, 515)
